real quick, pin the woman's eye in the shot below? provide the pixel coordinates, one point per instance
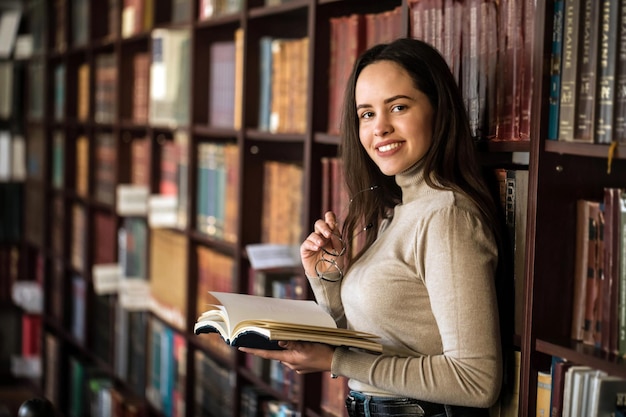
(398, 107)
(366, 115)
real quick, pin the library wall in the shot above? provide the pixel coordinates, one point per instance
(145, 144)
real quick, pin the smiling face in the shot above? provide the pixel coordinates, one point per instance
(395, 118)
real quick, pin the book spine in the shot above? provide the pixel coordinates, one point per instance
(606, 71)
(621, 236)
(588, 71)
(619, 129)
(592, 272)
(265, 82)
(567, 111)
(555, 70)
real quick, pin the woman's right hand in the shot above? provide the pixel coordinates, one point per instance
(324, 236)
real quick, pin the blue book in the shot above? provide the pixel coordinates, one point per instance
(555, 71)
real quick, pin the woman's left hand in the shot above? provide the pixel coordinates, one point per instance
(302, 357)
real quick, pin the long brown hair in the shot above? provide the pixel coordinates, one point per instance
(451, 161)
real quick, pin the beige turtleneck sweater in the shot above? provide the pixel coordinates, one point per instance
(426, 287)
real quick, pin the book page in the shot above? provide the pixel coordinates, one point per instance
(242, 307)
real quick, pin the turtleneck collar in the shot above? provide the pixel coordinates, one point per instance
(411, 180)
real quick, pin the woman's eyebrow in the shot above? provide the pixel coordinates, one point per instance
(387, 101)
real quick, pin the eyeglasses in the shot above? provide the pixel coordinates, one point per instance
(332, 272)
(329, 256)
(329, 262)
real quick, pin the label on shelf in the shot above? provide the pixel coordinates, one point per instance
(132, 200)
(134, 294)
(26, 366)
(28, 295)
(273, 256)
(106, 278)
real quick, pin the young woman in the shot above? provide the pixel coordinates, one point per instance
(424, 278)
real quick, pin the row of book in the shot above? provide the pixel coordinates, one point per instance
(599, 305)
(214, 393)
(149, 357)
(488, 46)
(283, 92)
(572, 390)
(485, 78)
(588, 73)
(255, 402)
(89, 391)
(282, 203)
(278, 285)
(349, 36)
(166, 381)
(130, 17)
(217, 200)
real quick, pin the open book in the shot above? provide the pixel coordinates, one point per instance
(260, 322)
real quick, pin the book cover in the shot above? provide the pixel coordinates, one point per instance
(222, 84)
(619, 128)
(555, 70)
(265, 82)
(594, 275)
(239, 69)
(6, 89)
(58, 159)
(606, 392)
(105, 98)
(141, 87)
(585, 235)
(559, 368)
(607, 57)
(59, 92)
(168, 258)
(587, 61)
(544, 388)
(347, 41)
(82, 166)
(78, 242)
(105, 177)
(573, 390)
(52, 360)
(569, 69)
(79, 15)
(169, 77)
(83, 92)
(621, 237)
(519, 249)
(260, 322)
(611, 265)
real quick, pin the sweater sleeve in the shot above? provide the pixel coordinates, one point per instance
(456, 257)
(328, 295)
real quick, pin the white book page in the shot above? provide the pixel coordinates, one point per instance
(242, 307)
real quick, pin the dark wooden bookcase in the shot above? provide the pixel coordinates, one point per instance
(559, 173)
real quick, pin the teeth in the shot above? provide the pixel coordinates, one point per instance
(389, 147)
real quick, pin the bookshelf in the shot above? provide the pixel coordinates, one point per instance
(123, 92)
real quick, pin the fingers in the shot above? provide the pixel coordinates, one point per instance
(327, 225)
(323, 230)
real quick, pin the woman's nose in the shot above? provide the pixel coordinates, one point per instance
(382, 127)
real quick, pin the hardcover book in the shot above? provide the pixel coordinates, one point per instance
(244, 320)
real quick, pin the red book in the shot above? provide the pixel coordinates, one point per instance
(610, 284)
(558, 386)
(31, 335)
(169, 157)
